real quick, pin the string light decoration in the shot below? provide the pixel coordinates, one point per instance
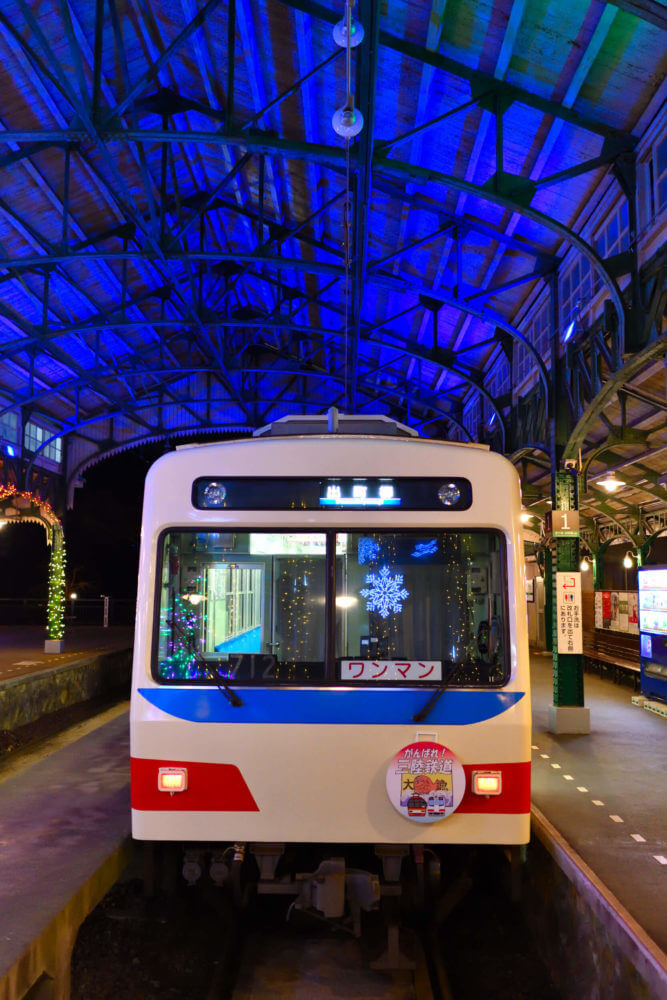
(295, 617)
(55, 612)
(24, 506)
(179, 632)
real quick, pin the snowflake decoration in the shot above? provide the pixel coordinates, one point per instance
(385, 594)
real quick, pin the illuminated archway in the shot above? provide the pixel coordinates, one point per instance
(28, 507)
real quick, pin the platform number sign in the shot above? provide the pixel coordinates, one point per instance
(563, 523)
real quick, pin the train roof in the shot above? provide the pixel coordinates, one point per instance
(334, 423)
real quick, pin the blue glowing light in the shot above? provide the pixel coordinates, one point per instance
(368, 550)
(10, 451)
(386, 592)
(425, 549)
(360, 497)
(569, 330)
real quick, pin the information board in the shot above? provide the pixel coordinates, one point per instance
(568, 612)
(617, 611)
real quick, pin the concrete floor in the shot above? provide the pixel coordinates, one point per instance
(22, 648)
(60, 818)
(606, 792)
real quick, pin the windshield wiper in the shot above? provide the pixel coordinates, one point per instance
(200, 660)
(437, 694)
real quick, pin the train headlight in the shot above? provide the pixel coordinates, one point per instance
(487, 782)
(214, 494)
(172, 779)
(449, 494)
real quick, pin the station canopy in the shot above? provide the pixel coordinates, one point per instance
(215, 214)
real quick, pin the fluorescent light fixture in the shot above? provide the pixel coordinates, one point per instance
(569, 330)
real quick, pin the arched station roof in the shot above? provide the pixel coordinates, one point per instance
(187, 245)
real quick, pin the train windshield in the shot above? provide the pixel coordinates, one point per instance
(402, 607)
(243, 605)
(422, 608)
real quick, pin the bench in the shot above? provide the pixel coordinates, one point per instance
(616, 652)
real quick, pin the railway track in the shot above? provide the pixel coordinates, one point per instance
(196, 944)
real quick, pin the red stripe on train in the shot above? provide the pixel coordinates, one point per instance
(515, 794)
(222, 788)
(211, 788)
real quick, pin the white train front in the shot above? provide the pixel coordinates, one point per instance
(331, 644)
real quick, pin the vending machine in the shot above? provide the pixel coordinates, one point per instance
(653, 630)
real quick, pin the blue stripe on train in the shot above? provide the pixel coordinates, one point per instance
(331, 706)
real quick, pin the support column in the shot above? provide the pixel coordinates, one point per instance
(567, 714)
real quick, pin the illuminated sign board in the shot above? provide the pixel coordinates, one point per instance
(653, 601)
(443, 493)
(360, 493)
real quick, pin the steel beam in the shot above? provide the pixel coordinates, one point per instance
(480, 82)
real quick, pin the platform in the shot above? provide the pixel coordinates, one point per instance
(65, 835)
(22, 648)
(606, 792)
(96, 664)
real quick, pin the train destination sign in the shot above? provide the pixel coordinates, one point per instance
(441, 493)
(360, 493)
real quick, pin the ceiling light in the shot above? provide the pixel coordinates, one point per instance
(347, 121)
(610, 483)
(572, 322)
(340, 34)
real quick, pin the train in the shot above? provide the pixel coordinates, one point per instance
(331, 643)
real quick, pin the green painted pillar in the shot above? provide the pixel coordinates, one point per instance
(597, 560)
(548, 601)
(567, 714)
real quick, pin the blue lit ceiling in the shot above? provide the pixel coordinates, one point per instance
(186, 244)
